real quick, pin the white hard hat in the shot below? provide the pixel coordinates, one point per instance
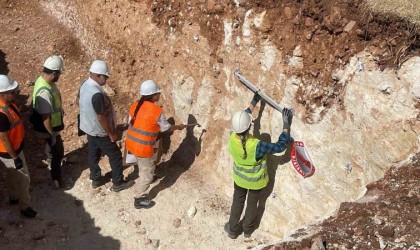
(99, 67)
(241, 121)
(7, 84)
(54, 63)
(149, 87)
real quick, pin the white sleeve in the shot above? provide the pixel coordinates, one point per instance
(163, 123)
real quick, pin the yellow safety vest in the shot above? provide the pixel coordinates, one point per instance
(247, 173)
(57, 115)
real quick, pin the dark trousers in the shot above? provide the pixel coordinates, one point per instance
(99, 145)
(239, 196)
(55, 157)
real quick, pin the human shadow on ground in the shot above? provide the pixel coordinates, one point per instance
(180, 161)
(76, 161)
(273, 163)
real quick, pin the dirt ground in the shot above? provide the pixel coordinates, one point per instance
(82, 218)
(385, 218)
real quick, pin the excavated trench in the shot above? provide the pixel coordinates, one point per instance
(304, 55)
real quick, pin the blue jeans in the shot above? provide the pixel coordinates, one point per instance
(99, 145)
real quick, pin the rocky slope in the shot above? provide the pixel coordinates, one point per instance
(305, 54)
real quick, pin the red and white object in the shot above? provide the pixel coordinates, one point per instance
(301, 160)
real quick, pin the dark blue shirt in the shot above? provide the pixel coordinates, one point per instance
(264, 148)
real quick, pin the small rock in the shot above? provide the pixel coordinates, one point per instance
(377, 221)
(177, 223)
(309, 22)
(141, 231)
(137, 223)
(317, 244)
(358, 231)
(191, 212)
(349, 26)
(147, 241)
(155, 243)
(288, 12)
(392, 213)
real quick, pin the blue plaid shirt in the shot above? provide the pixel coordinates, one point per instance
(264, 148)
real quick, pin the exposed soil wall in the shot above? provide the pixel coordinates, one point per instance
(350, 75)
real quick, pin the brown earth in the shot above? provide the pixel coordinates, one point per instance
(387, 217)
(29, 35)
(331, 31)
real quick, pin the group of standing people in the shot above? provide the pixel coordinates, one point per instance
(146, 121)
(97, 121)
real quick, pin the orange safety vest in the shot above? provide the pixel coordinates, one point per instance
(17, 131)
(141, 136)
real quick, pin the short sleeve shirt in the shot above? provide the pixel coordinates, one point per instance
(98, 103)
(163, 123)
(44, 101)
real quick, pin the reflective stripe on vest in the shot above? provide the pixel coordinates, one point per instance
(16, 131)
(142, 134)
(250, 179)
(56, 115)
(140, 140)
(247, 173)
(152, 134)
(255, 169)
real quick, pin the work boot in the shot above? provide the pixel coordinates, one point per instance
(28, 213)
(122, 185)
(248, 232)
(231, 234)
(143, 203)
(99, 182)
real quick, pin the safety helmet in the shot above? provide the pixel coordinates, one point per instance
(99, 67)
(54, 63)
(149, 87)
(7, 84)
(241, 121)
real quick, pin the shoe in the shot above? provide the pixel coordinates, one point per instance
(100, 182)
(13, 201)
(231, 234)
(123, 185)
(247, 235)
(28, 213)
(143, 203)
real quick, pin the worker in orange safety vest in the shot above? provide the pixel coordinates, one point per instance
(146, 121)
(12, 133)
